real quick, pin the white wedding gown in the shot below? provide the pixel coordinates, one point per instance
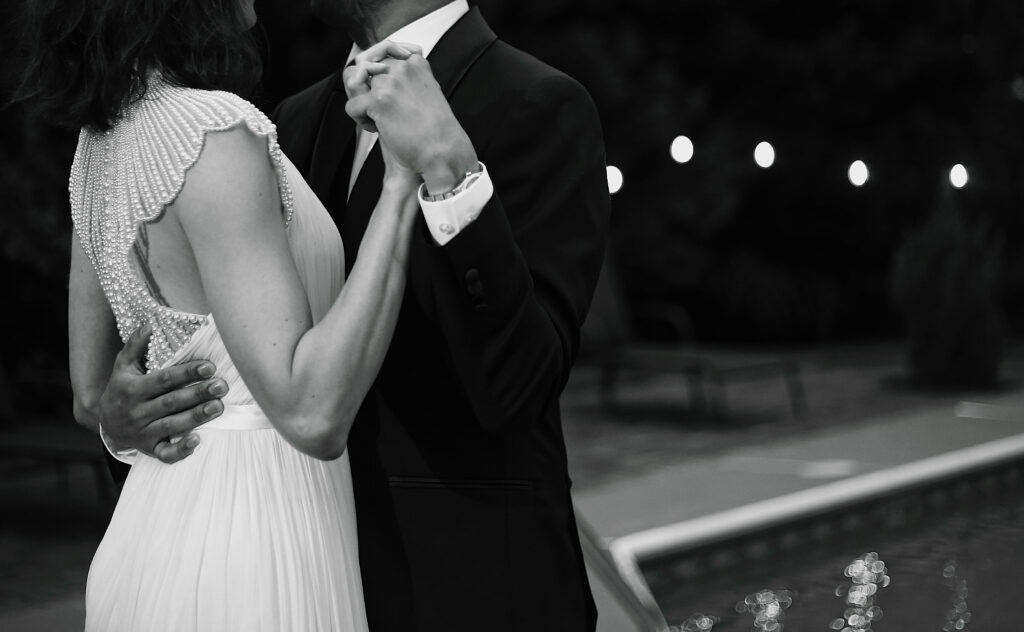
(246, 534)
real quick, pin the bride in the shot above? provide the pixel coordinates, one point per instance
(190, 222)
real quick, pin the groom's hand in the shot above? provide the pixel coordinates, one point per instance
(143, 411)
(367, 64)
(404, 102)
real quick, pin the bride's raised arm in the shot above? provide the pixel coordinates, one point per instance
(309, 380)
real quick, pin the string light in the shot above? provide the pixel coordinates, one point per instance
(681, 149)
(858, 173)
(764, 154)
(958, 176)
(615, 179)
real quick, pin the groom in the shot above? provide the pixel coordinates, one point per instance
(458, 460)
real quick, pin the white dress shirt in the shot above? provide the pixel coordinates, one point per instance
(445, 218)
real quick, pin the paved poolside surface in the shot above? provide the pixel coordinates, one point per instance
(762, 471)
(630, 476)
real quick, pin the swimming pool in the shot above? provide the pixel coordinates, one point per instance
(966, 554)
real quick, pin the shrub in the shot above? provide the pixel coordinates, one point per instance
(944, 280)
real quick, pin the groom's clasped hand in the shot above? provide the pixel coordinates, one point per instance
(392, 92)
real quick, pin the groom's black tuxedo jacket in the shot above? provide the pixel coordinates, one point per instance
(458, 460)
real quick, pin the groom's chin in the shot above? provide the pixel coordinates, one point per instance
(337, 12)
(329, 11)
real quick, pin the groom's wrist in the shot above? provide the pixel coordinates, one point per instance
(448, 168)
(447, 214)
(124, 455)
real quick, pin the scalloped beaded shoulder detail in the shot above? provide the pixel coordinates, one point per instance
(126, 177)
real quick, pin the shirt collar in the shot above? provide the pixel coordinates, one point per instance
(427, 31)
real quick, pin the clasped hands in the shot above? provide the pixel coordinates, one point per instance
(392, 92)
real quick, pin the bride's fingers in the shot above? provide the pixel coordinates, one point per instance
(386, 48)
(358, 109)
(356, 78)
(414, 49)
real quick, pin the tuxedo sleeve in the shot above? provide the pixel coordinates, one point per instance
(524, 272)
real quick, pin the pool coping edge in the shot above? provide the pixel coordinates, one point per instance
(630, 550)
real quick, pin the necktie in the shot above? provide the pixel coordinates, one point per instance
(331, 144)
(360, 203)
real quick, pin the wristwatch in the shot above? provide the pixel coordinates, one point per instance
(464, 183)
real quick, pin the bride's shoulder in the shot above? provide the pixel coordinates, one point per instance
(213, 133)
(173, 131)
(195, 112)
(182, 124)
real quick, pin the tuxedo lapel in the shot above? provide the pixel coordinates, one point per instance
(453, 55)
(332, 140)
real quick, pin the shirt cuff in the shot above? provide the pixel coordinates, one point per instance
(125, 456)
(446, 218)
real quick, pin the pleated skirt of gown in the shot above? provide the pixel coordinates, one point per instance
(245, 534)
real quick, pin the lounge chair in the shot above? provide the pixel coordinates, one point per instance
(611, 342)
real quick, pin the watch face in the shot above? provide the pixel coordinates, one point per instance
(459, 187)
(467, 180)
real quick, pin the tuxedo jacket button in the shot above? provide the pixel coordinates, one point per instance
(474, 286)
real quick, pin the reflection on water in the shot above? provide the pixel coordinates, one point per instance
(768, 608)
(958, 616)
(696, 623)
(867, 574)
(928, 590)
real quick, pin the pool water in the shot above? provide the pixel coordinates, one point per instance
(983, 543)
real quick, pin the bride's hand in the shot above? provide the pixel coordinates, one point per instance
(398, 175)
(401, 189)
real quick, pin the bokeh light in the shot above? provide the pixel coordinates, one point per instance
(614, 179)
(858, 173)
(764, 154)
(958, 176)
(682, 149)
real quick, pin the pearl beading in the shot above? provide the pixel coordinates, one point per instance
(125, 177)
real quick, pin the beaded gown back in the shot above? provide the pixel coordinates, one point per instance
(247, 533)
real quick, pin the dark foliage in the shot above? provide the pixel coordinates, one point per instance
(794, 252)
(944, 280)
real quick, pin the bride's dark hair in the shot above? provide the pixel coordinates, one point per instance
(86, 60)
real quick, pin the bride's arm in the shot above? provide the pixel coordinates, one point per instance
(310, 381)
(93, 342)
